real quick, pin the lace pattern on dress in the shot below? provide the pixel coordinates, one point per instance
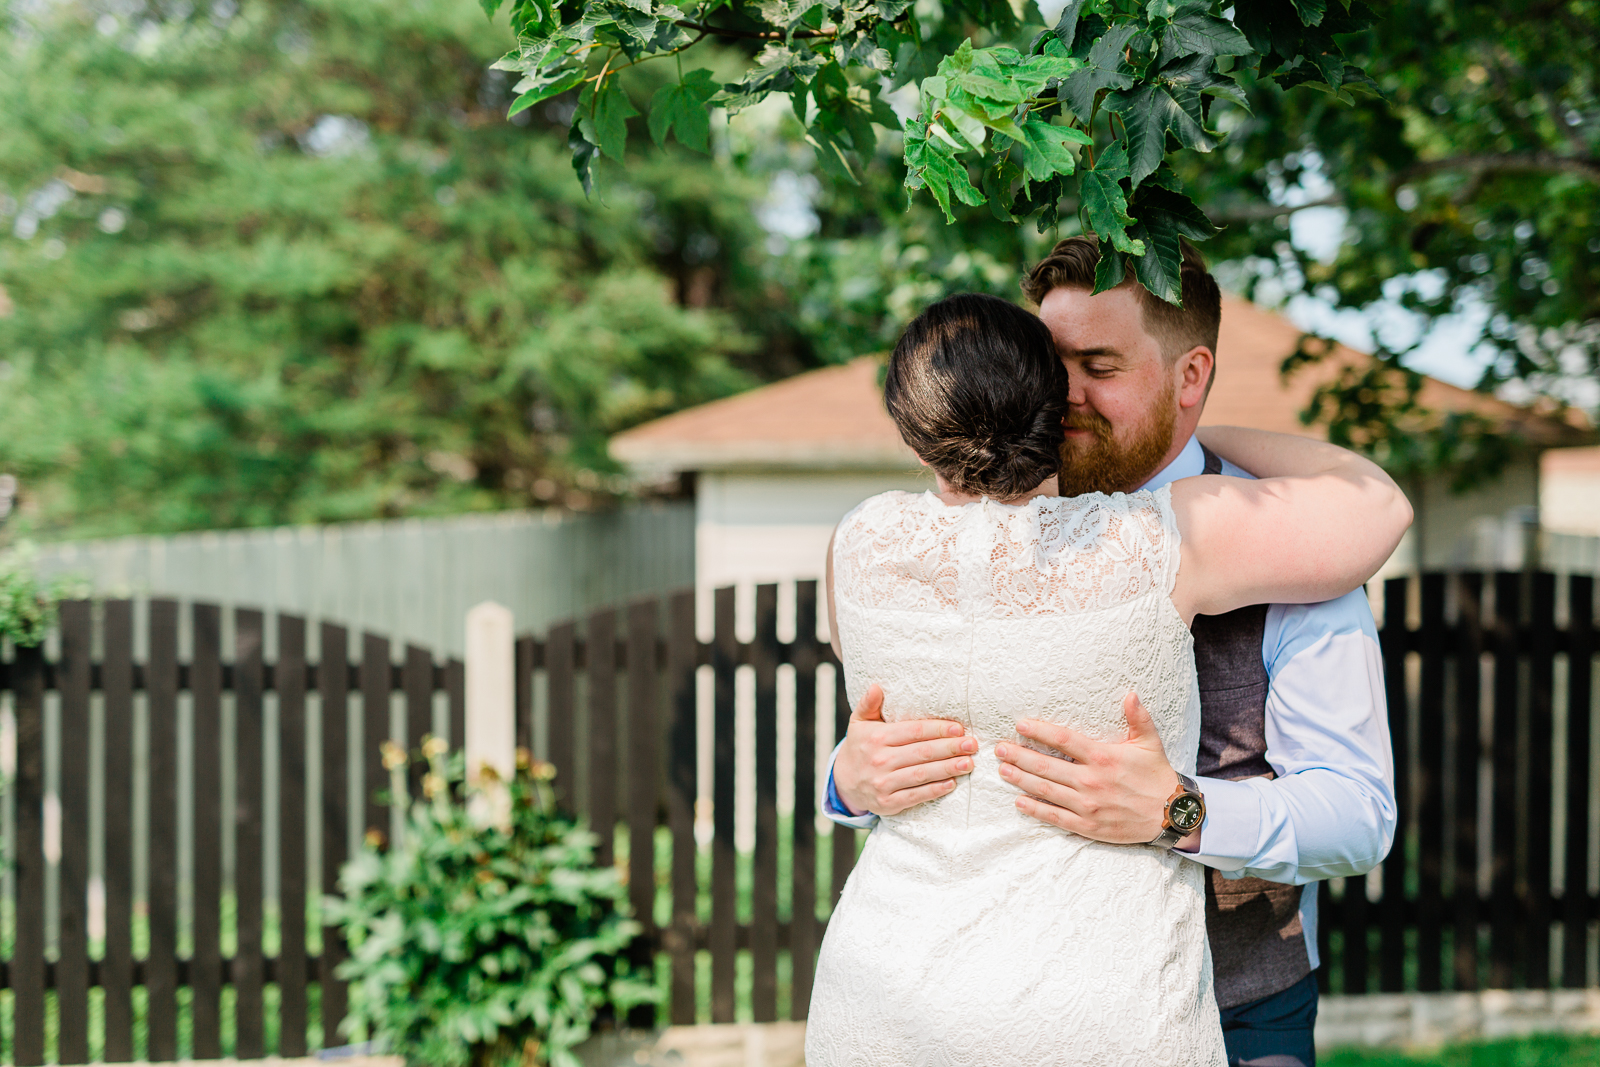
(970, 935)
(1053, 555)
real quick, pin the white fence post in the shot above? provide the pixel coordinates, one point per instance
(491, 687)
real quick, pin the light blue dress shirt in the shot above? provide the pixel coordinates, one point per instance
(1330, 812)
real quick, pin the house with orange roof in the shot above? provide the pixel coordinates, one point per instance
(775, 468)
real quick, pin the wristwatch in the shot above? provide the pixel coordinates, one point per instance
(1186, 810)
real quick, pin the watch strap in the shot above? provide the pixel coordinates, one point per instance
(1168, 837)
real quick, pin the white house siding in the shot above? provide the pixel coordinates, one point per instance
(771, 527)
(1454, 529)
(1570, 497)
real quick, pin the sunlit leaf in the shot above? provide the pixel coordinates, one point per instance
(681, 108)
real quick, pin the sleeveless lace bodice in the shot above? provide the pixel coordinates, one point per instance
(969, 933)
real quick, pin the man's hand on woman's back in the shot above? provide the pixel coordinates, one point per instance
(885, 767)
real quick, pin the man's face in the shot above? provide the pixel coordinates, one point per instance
(1126, 401)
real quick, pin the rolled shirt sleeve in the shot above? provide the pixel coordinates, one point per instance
(1330, 812)
(834, 807)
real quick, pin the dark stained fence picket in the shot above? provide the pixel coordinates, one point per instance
(116, 965)
(205, 959)
(249, 803)
(293, 971)
(683, 753)
(1490, 684)
(27, 964)
(333, 684)
(764, 862)
(724, 871)
(1576, 907)
(161, 962)
(642, 781)
(803, 930)
(72, 938)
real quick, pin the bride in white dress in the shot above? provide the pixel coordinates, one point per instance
(969, 933)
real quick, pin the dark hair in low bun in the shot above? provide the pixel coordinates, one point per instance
(977, 390)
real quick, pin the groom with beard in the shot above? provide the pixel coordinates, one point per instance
(1294, 765)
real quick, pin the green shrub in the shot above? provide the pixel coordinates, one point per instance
(478, 944)
(27, 608)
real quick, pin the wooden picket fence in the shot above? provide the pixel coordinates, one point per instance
(661, 717)
(1491, 706)
(639, 684)
(614, 701)
(161, 678)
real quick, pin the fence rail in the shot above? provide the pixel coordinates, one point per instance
(1494, 881)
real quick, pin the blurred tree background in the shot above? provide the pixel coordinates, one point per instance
(279, 261)
(288, 262)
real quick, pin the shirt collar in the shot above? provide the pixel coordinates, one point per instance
(1190, 462)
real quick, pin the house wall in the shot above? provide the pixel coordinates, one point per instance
(1569, 499)
(767, 527)
(1470, 529)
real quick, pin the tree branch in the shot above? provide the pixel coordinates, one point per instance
(1527, 163)
(1263, 212)
(751, 35)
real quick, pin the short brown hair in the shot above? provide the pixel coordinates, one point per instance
(1072, 262)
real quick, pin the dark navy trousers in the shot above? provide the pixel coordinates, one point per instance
(1274, 1031)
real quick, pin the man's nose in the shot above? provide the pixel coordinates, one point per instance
(1076, 397)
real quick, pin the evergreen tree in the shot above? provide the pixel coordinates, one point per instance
(288, 262)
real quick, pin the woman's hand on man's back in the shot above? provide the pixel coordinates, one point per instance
(886, 767)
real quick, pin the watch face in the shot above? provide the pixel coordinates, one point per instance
(1185, 813)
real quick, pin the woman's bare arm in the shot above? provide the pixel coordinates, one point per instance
(1318, 523)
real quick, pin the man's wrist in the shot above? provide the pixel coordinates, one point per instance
(1182, 816)
(837, 801)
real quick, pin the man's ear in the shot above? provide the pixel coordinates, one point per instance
(1194, 370)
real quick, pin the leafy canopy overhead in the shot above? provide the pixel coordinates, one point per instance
(1084, 113)
(1471, 188)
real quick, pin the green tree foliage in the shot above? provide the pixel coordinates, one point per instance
(1025, 113)
(1471, 187)
(288, 262)
(1462, 138)
(27, 606)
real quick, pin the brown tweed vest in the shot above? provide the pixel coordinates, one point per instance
(1257, 943)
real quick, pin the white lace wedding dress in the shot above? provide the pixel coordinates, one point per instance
(969, 933)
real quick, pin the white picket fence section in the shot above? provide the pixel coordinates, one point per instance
(409, 579)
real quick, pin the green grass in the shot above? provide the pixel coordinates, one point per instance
(1551, 1050)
